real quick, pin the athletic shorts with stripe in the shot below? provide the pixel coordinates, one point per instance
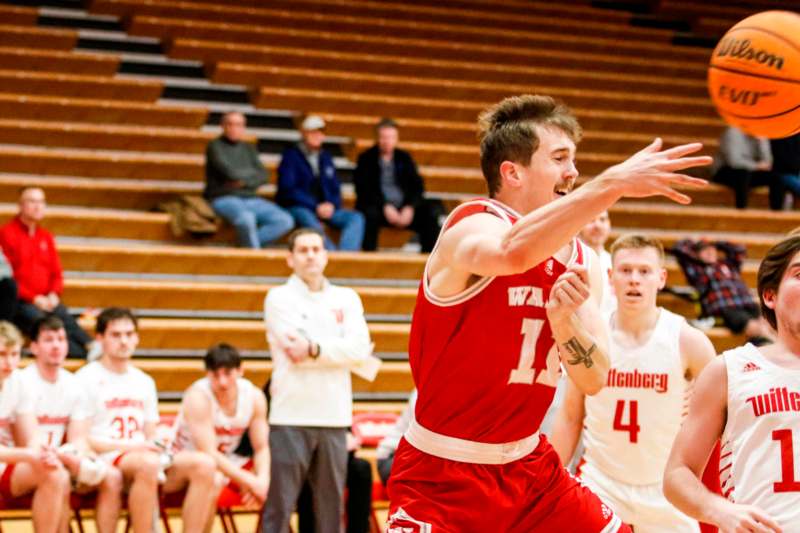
(530, 495)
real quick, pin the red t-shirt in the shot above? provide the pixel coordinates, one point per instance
(484, 362)
(33, 258)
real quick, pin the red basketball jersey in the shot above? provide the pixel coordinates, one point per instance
(484, 361)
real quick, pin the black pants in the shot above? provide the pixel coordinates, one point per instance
(425, 224)
(359, 499)
(8, 299)
(27, 314)
(742, 180)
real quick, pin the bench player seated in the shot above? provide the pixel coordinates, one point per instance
(216, 412)
(26, 465)
(123, 410)
(61, 411)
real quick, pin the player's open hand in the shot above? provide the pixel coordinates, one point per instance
(746, 518)
(568, 293)
(653, 171)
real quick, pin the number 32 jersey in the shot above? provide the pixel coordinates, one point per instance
(760, 452)
(119, 404)
(484, 361)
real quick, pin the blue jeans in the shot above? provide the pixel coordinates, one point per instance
(349, 222)
(257, 221)
(792, 183)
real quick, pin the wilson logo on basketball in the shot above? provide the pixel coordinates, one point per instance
(741, 49)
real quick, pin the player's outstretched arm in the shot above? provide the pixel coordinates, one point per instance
(569, 422)
(483, 245)
(690, 452)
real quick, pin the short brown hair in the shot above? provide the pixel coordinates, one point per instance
(636, 241)
(771, 271)
(507, 131)
(110, 314)
(299, 232)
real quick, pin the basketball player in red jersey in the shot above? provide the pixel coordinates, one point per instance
(749, 398)
(505, 297)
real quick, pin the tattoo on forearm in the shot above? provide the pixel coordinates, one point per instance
(579, 353)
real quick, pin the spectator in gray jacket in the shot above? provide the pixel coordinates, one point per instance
(744, 162)
(233, 173)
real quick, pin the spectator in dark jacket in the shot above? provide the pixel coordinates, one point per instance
(786, 161)
(714, 269)
(233, 173)
(389, 191)
(309, 188)
(31, 251)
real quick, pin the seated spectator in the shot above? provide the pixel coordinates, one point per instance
(744, 162)
(714, 270)
(216, 412)
(389, 191)
(31, 251)
(8, 290)
(388, 444)
(233, 174)
(123, 413)
(309, 188)
(63, 420)
(786, 162)
(26, 464)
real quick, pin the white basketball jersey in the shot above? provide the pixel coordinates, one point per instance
(228, 429)
(13, 401)
(55, 404)
(631, 423)
(760, 452)
(119, 404)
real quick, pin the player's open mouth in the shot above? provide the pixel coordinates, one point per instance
(633, 294)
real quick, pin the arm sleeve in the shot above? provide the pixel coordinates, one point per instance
(289, 187)
(354, 345)
(416, 185)
(334, 187)
(56, 272)
(735, 253)
(259, 175)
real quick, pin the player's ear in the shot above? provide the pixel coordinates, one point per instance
(509, 174)
(662, 278)
(769, 296)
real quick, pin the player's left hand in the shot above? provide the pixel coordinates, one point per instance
(568, 293)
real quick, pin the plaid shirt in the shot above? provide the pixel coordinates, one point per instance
(720, 284)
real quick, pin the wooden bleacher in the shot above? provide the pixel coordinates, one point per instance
(107, 149)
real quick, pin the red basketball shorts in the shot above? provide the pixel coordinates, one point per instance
(533, 494)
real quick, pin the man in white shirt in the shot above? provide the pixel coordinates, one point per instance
(123, 407)
(63, 419)
(317, 336)
(26, 466)
(215, 414)
(629, 425)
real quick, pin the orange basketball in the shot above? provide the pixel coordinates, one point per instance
(754, 75)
